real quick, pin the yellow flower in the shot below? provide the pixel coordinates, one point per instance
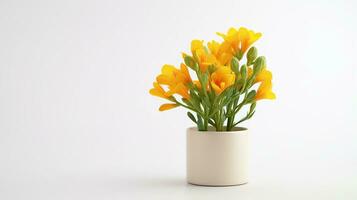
(159, 91)
(264, 76)
(221, 51)
(222, 78)
(175, 79)
(168, 106)
(196, 45)
(180, 89)
(202, 56)
(265, 91)
(171, 76)
(240, 39)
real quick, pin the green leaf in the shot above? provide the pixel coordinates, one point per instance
(211, 122)
(200, 123)
(187, 102)
(251, 115)
(252, 107)
(192, 117)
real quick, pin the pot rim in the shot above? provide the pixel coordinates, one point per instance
(211, 130)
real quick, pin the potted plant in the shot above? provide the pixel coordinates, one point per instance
(231, 77)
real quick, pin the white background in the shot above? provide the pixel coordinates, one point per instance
(77, 122)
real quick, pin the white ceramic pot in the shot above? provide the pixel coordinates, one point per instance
(217, 158)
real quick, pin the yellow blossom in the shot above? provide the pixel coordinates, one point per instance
(175, 79)
(221, 51)
(222, 78)
(159, 91)
(263, 76)
(265, 91)
(196, 45)
(240, 39)
(180, 89)
(202, 56)
(171, 76)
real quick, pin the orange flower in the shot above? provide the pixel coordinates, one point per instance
(222, 78)
(240, 39)
(222, 52)
(175, 79)
(263, 76)
(202, 56)
(265, 91)
(180, 89)
(159, 91)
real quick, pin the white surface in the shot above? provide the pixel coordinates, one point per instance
(76, 120)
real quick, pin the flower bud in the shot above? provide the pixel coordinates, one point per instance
(252, 55)
(190, 62)
(251, 96)
(239, 54)
(243, 71)
(259, 64)
(235, 65)
(211, 69)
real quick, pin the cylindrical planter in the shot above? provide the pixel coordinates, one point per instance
(217, 158)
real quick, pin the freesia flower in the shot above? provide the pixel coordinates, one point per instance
(180, 89)
(240, 39)
(222, 78)
(159, 91)
(265, 91)
(171, 76)
(221, 51)
(264, 76)
(196, 45)
(175, 79)
(202, 56)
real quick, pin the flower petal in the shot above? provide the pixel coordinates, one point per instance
(263, 76)
(265, 91)
(159, 91)
(168, 106)
(196, 44)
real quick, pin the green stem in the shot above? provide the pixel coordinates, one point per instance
(229, 123)
(205, 124)
(183, 105)
(219, 121)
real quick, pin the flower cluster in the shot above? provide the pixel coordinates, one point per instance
(224, 84)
